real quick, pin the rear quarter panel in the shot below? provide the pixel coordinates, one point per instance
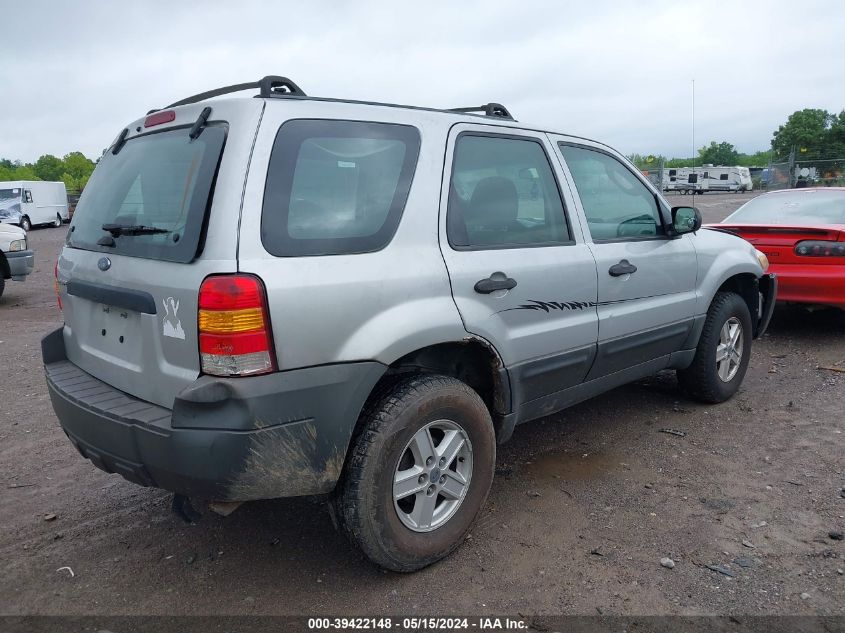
(367, 306)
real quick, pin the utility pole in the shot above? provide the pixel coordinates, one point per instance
(693, 139)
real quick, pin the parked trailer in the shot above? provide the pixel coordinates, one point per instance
(31, 202)
(707, 178)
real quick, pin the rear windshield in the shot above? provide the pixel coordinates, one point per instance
(336, 187)
(806, 207)
(157, 181)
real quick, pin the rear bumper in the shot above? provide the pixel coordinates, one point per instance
(811, 283)
(21, 263)
(279, 435)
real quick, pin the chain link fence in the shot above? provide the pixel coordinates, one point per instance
(653, 170)
(798, 171)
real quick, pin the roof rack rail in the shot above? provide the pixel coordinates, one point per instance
(489, 109)
(270, 86)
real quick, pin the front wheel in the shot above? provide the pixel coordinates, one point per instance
(58, 221)
(723, 352)
(25, 224)
(419, 472)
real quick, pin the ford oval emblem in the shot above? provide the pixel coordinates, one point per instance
(104, 263)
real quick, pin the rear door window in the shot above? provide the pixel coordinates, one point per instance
(503, 194)
(159, 181)
(336, 187)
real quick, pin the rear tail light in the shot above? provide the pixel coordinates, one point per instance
(820, 248)
(56, 285)
(234, 327)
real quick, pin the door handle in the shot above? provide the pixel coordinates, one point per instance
(496, 281)
(622, 268)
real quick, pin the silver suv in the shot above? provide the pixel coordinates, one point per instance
(285, 295)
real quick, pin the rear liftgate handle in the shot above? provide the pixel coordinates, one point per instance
(622, 268)
(496, 281)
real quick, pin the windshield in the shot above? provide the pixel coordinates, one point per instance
(10, 194)
(805, 208)
(161, 180)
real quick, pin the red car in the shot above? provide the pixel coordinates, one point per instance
(802, 232)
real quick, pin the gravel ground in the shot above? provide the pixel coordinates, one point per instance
(584, 507)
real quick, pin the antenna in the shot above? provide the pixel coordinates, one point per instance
(693, 136)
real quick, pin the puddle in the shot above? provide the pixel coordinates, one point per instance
(571, 465)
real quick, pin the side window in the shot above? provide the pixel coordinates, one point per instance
(503, 193)
(723, 176)
(336, 187)
(27, 195)
(617, 204)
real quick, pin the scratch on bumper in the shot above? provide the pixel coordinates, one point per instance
(286, 461)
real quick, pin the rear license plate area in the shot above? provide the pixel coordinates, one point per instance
(116, 331)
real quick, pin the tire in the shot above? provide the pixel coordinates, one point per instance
(391, 424)
(2, 285)
(58, 221)
(25, 224)
(708, 379)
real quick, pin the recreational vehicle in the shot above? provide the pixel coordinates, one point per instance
(707, 178)
(31, 202)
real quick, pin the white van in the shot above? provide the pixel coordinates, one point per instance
(30, 202)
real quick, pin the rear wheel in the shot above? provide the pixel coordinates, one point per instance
(419, 472)
(723, 352)
(25, 224)
(58, 221)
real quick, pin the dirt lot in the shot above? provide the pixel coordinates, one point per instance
(584, 506)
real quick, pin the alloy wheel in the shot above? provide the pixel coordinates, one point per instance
(432, 476)
(729, 350)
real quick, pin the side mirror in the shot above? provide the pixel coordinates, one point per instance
(685, 220)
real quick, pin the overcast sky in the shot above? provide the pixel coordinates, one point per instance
(74, 73)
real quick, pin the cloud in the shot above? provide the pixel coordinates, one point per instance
(618, 72)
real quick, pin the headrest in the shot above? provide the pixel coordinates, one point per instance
(494, 202)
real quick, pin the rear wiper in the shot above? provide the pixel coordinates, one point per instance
(117, 230)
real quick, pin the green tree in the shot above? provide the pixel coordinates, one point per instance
(718, 154)
(78, 165)
(81, 182)
(646, 161)
(48, 167)
(835, 137)
(680, 162)
(71, 183)
(23, 172)
(757, 159)
(805, 130)
(74, 170)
